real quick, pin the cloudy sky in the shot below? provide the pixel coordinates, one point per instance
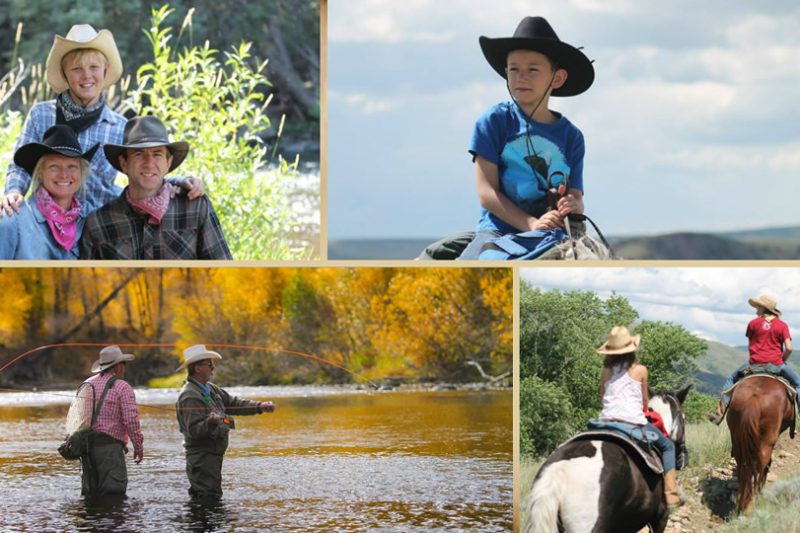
(691, 123)
(709, 302)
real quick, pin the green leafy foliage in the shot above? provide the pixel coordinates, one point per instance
(546, 416)
(698, 406)
(214, 104)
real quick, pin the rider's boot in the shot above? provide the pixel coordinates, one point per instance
(671, 489)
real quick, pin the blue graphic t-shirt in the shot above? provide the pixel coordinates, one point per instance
(524, 163)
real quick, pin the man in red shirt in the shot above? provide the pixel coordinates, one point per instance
(104, 470)
(769, 343)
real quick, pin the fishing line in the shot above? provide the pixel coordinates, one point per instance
(163, 345)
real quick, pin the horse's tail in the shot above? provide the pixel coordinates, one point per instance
(544, 501)
(748, 455)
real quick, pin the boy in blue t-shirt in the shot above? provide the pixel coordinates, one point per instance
(521, 148)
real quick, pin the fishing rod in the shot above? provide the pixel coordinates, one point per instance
(163, 345)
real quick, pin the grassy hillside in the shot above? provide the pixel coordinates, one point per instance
(718, 362)
(704, 246)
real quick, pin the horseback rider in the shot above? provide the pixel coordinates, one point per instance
(623, 393)
(769, 343)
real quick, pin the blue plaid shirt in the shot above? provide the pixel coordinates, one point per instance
(99, 187)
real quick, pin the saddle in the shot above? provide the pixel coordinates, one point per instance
(768, 371)
(647, 456)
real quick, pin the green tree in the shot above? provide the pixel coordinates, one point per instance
(559, 328)
(668, 351)
(545, 416)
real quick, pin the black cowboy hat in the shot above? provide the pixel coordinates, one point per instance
(146, 132)
(59, 139)
(535, 33)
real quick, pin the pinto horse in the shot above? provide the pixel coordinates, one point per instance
(760, 410)
(597, 486)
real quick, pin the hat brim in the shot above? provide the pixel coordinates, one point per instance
(28, 155)
(208, 354)
(103, 42)
(580, 72)
(178, 149)
(628, 348)
(756, 302)
(99, 367)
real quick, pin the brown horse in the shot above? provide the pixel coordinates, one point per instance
(759, 412)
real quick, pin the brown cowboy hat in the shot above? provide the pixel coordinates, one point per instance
(620, 341)
(535, 33)
(110, 356)
(767, 303)
(82, 36)
(59, 140)
(146, 132)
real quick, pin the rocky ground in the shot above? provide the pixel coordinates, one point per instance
(711, 491)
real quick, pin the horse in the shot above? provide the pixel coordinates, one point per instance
(598, 486)
(760, 410)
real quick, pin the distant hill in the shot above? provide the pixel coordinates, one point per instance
(718, 362)
(768, 243)
(376, 248)
(706, 246)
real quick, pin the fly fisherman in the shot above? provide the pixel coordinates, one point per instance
(117, 419)
(204, 415)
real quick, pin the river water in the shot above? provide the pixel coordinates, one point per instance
(326, 460)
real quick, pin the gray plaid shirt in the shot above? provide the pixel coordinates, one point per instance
(189, 230)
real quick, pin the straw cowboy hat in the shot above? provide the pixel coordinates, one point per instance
(619, 342)
(196, 353)
(146, 132)
(82, 36)
(60, 140)
(535, 33)
(110, 356)
(767, 303)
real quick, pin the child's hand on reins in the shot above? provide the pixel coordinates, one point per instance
(569, 204)
(550, 220)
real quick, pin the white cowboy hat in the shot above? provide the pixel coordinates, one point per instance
(196, 353)
(620, 341)
(110, 356)
(82, 36)
(767, 303)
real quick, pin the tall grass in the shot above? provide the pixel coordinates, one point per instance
(528, 466)
(778, 509)
(708, 444)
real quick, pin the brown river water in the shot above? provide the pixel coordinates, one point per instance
(324, 461)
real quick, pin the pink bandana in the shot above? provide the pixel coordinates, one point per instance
(63, 223)
(155, 206)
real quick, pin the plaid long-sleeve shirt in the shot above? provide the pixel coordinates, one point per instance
(119, 416)
(189, 230)
(99, 186)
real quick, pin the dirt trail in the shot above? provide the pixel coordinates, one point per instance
(711, 493)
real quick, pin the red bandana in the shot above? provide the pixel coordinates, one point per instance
(155, 205)
(63, 223)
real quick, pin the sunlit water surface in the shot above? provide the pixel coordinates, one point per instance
(326, 460)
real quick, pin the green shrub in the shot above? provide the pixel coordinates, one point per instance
(545, 416)
(215, 105)
(698, 406)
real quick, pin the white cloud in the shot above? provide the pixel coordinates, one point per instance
(712, 301)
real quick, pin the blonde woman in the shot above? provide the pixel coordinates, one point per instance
(49, 224)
